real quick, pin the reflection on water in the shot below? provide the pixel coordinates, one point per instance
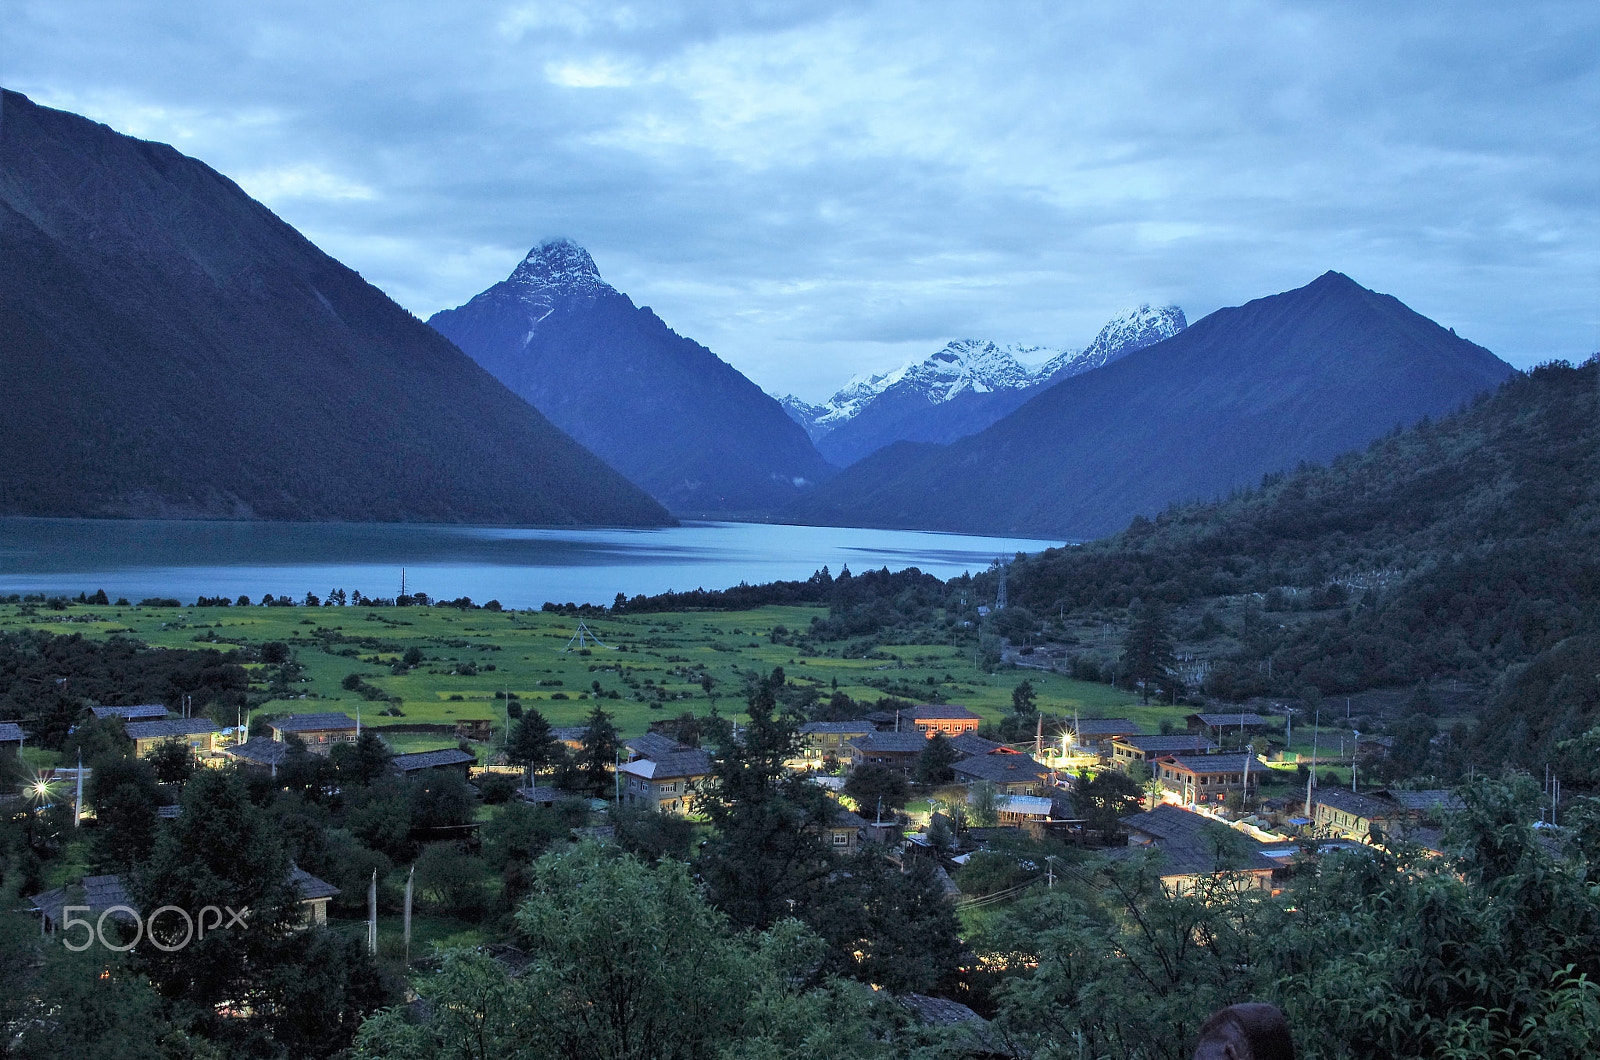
(521, 567)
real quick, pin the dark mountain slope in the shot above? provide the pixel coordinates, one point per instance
(169, 347)
(1463, 548)
(663, 409)
(1303, 375)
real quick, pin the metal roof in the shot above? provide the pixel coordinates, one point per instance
(331, 720)
(890, 742)
(1192, 743)
(684, 764)
(1002, 769)
(11, 732)
(940, 711)
(142, 710)
(447, 756)
(168, 728)
(1211, 764)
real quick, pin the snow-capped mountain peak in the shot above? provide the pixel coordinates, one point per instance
(557, 266)
(1133, 330)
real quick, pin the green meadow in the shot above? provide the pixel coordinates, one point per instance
(654, 663)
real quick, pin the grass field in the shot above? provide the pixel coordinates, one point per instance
(529, 658)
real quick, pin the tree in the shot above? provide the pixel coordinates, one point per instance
(933, 764)
(871, 781)
(362, 762)
(629, 962)
(896, 930)
(124, 796)
(221, 851)
(1023, 698)
(531, 746)
(766, 859)
(599, 753)
(983, 801)
(172, 761)
(1147, 654)
(1107, 798)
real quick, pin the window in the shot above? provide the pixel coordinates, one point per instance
(841, 839)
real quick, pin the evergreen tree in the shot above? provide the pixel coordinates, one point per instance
(1024, 698)
(1147, 653)
(364, 762)
(124, 796)
(599, 753)
(767, 859)
(531, 746)
(933, 764)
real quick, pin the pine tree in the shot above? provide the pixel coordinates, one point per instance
(1147, 650)
(599, 749)
(531, 746)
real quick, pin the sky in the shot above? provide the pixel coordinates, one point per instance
(821, 189)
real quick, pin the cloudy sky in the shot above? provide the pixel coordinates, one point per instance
(818, 189)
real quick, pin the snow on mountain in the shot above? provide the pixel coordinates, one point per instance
(1131, 331)
(979, 367)
(963, 366)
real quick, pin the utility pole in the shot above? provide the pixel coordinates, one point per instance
(1050, 871)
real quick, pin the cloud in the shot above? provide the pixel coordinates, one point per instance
(816, 190)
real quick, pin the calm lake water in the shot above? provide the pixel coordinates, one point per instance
(519, 567)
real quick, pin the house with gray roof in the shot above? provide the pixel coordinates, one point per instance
(1208, 778)
(1193, 847)
(1128, 750)
(665, 783)
(897, 750)
(452, 759)
(138, 712)
(319, 732)
(200, 734)
(1016, 774)
(102, 894)
(262, 752)
(970, 743)
(653, 745)
(1096, 734)
(11, 732)
(820, 739)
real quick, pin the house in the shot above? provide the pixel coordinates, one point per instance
(1096, 734)
(820, 739)
(897, 750)
(653, 745)
(100, 894)
(314, 895)
(1194, 847)
(665, 783)
(970, 743)
(1017, 774)
(141, 712)
(947, 718)
(319, 732)
(1025, 810)
(843, 832)
(480, 730)
(1215, 725)
(262, 752)
(545, 797)
(1128, 750)
(199, 733)
(11, 732)
(1208, 778)
(1338, 812)
(449, 759)
(104, 895)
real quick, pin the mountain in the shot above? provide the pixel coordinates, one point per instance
(1303, 375)
(1465, 547)
(661, 408)
(1134, 330)
(169, 347)
(963, 388)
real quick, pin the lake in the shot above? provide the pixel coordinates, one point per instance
(520, 567)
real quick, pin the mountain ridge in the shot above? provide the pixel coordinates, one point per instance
(1225, 400)
(962, 388)
(170, 347)
(700, 437)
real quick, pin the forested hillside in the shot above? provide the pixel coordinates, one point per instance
(170, 348)
(1466, 547)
